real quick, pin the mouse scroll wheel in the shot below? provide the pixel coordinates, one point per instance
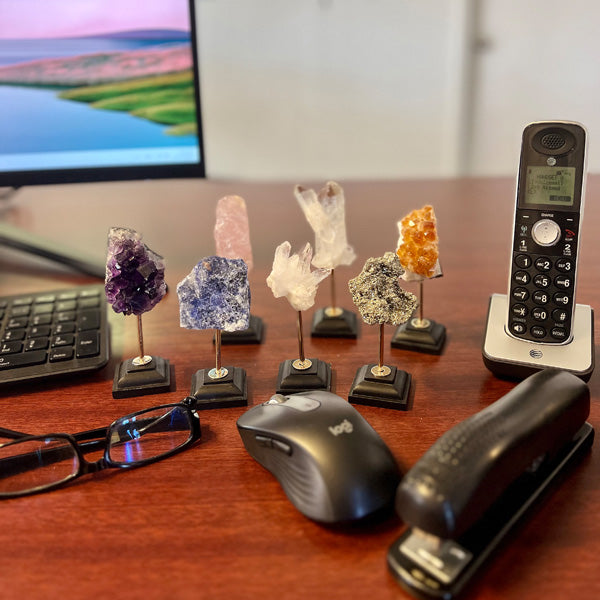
(277, 399)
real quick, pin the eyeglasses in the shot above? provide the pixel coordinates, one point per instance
(37, 463)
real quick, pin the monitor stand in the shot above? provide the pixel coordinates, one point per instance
(13, 237)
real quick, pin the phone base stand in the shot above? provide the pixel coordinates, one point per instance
(420, 336)
(391, 390)
(300, 376)
(253, 335)
(447, 573)
(510, 358)
(225, 391)
(130, 379)
(334, 323)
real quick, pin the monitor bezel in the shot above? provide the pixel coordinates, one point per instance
(16, 179)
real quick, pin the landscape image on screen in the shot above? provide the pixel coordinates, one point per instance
(96, 82)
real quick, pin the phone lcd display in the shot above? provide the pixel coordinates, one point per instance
(550, 186)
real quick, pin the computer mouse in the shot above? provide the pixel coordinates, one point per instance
(330, 462)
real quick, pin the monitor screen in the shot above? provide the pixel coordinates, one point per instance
(95, 90)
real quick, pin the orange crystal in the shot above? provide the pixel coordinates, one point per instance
(418, 251)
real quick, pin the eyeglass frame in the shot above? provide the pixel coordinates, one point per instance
(91, 440)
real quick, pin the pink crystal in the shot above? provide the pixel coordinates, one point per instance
(232, 233)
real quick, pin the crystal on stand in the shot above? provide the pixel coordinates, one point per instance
(216, 295)
(291, 277)
(377, 294)
(326, 214)
(135, 284)
(232, 240)
(419, 256)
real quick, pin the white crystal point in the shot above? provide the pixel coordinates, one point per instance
(232, 232)
(291, 276)
(326, 214)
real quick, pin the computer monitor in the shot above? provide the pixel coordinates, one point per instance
(97, 90)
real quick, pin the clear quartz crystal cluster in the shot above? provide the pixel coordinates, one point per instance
(135, 275)
(418, 244)
(377, 294)
(232, 232)
(326, 214)
(292, 277)
(215, 295)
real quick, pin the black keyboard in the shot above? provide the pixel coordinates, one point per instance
(53, 333)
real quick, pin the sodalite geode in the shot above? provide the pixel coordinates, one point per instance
(135, 275)
(215, 295)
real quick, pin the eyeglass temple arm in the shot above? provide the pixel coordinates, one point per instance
(12, 434)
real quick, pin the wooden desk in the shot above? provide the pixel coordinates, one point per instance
(210, 522)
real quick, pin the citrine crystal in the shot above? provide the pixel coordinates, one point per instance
(418, 243)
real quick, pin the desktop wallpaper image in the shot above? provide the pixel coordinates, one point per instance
(95, 74)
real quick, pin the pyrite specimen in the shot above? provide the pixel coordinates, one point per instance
(232, 232)
(418, 244)
(135, 275)
(215, 295)
(377, 294)
(292, 277)
(326, 214)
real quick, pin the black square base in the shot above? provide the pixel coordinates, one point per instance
(131, 380)
(343, 325)
(430, 339)
(291, 380)
(225, 392)
(253, 335)
(390, 391)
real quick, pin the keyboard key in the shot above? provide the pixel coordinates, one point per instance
(61, 328)
(66, 305)
(36, 344)
(60, 354)
(19, 311)
(11, 347)
(10, 335)
(25, 359)
(40, 309)
(39, 331)
(63, 340)
(41, 319)
(88, 319)
(88, 344)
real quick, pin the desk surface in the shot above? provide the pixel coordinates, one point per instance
(211, 522)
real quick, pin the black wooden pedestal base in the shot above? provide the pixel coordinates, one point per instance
(227, 391)
(291, 380)
(133, 380)
(389, 391)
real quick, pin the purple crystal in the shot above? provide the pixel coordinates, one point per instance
(215, 295)
(135, 275)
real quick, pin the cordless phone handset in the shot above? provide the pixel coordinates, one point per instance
(548, 215)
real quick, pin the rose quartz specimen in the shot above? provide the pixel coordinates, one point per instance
(232, 233)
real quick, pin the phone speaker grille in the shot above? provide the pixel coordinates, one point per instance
(553, 141)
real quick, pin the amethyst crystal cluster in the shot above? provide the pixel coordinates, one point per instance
(135, 275)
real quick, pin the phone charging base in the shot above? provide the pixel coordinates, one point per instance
(511, 358)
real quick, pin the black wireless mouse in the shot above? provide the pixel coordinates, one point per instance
(330, 462)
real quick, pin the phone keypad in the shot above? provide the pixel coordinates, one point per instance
(542, 286)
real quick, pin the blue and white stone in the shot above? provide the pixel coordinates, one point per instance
(215, 295)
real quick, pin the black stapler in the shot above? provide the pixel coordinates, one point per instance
(481, 477)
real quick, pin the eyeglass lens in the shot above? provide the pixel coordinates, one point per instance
(149, 434)
(36, 464)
